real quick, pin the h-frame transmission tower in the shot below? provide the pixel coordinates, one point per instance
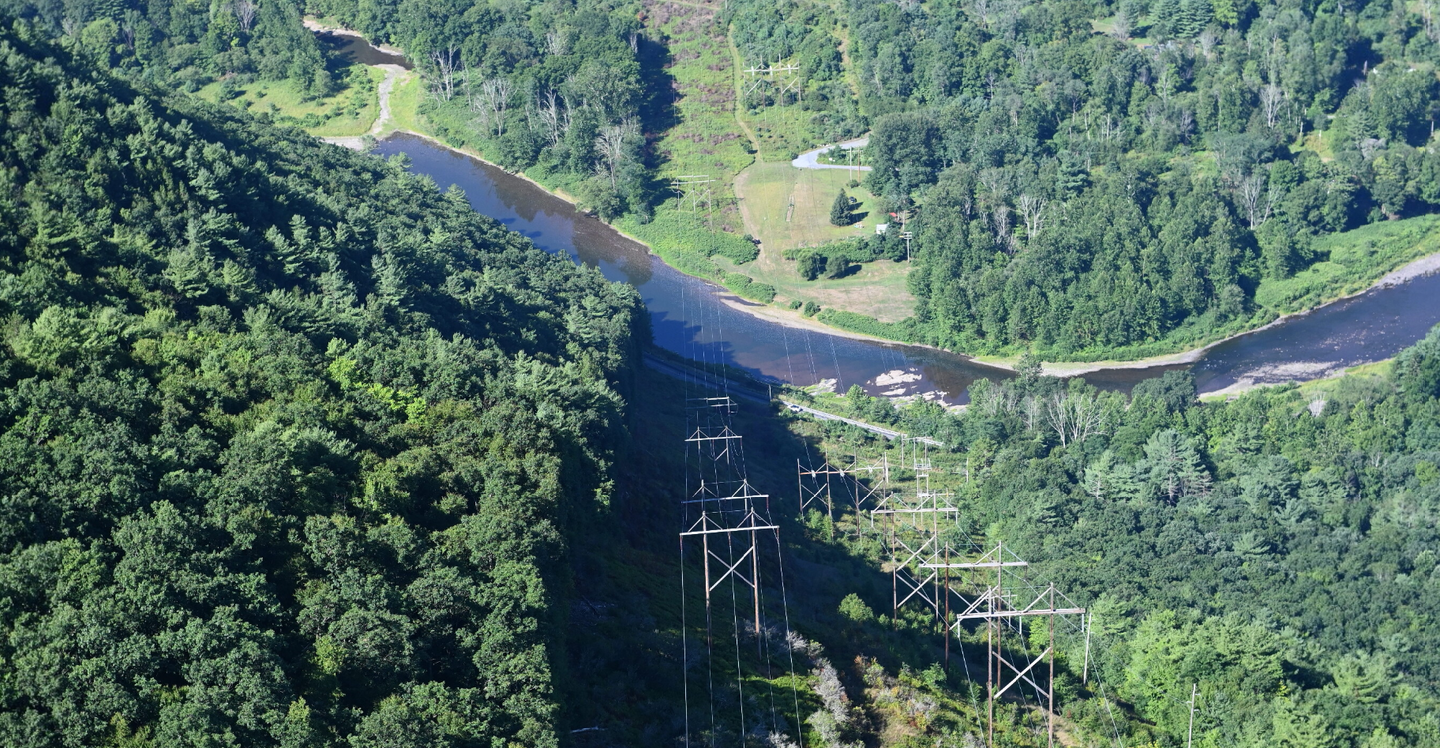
(817, 485)
(729, 520)
(914, 524)
(996, 588)
(693, 187)
(760, 76)
(722, 502)
(934, 564)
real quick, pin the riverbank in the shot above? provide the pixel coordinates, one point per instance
(669, 228)
(319, 25)
(1410, 271)
(1314, 385)
(795, 320)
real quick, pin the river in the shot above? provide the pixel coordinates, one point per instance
(689, 318)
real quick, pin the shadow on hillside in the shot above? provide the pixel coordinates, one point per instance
(625, 650)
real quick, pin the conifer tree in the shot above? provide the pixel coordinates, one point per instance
(1165, 17)
(840, 210)
(1226, 12)
(1194, 16)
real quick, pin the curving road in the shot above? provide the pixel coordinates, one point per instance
(811, 159)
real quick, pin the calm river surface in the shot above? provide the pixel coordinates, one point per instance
(689, 318)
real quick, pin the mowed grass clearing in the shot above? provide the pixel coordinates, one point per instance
(350, 111)
(766, 193)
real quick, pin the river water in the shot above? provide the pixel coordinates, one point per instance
(690, 318)
(356, 49)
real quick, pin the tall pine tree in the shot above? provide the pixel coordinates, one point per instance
(840, 210)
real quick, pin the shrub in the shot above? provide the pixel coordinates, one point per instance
(855, 609)
(746, 287)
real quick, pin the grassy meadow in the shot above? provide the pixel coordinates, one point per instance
(349, 111)
(786, 208)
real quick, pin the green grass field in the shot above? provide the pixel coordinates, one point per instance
(1353, 261)
(350, 111)
(785, 208)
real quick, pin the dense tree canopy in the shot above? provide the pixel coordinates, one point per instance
(556, 84)
(292, 438)
(1277, 553)
(1083, 191)
(1085, 178)
(187, 44)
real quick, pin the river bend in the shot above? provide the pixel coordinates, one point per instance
(690, 318)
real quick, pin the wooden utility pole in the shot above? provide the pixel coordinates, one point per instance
(1190, 732)
(1050, 686)
(992, 604)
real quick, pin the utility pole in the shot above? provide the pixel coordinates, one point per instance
(947, 611)
(906, 235)
(1190, 733)
(1050, 685)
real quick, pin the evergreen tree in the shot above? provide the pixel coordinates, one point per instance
(840, 211)
(1225, 12)
(1194, 16)
(1165, 17)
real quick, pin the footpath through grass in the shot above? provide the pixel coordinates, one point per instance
(405, 100)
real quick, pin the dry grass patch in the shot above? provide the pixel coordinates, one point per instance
(771, 192)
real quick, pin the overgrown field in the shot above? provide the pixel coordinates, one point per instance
(1353, 260)
(349, 111)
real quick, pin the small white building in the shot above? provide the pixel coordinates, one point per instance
(880, 228)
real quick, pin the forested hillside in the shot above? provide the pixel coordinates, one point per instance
(184, 44)
(1082, 179)
(1098, 177)
(560, 86)
(292, 440)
